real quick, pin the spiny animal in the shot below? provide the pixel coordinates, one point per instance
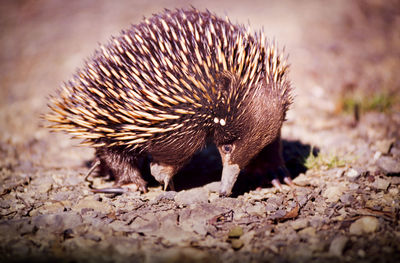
(166, 85)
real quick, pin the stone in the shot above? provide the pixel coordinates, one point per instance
(235, 232)
(388, 165)
(58, 222)
(308, 231)
(333, 193)
(89, 203)
(337, 245)
(192, 196)
(257, 209)
(347, 198)
(299, 223)
(353, 174)
(302, 180)
(213, 187)
(237, 244)
(384, 145)
(169, 195)
(381, 184)
(364, 225)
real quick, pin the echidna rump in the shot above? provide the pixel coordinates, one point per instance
(164, 86)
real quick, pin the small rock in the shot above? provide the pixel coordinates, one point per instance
(299, 223)
(237, 244)
(309, 231)
(394, 191)
(213, 187)
(235, 232)
(72, 180)
(169, 195)
(395, 151)
(257, 209)
(89, 203)
(247, 237)
(43, 184)
(353, 174)
(58, 222)
(278, 214)
(388, 165)
(182, 254)
(48, 208)
(377, 155)
(302, 180)
(333, 193)
(337, 245)
(347, 198)
(361, 253)
(381, 184)
(384, 145)
(124, 245)
(192, 196)
(364, 225)
(271, 207)
(200, 228)
(92, 236)
(120, 226)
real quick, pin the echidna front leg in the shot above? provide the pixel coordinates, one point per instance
(270, 161)
(272, 155)
(123, 167)
(163, 173)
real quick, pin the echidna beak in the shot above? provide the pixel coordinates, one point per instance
(230, 173)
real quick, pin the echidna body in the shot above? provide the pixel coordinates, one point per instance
(164, 86)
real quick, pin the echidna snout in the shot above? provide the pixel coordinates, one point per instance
(164, 86)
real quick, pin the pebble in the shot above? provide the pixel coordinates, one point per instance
(43, 184)
(364, 225)
(347, 198)
(169, 195)
(333, 193)
(388, 164)
(257, 209)
(237, 244)
(394, 191)
(89, 203)
(337, 245)
(56, 207)
(299, 223)
(381, 184)
(384, 145)
(302, 180)
(308, 231)
(192, 196)
(361, 253)
(353, 174)
(213, 187)
(235, 232)
(58, 222)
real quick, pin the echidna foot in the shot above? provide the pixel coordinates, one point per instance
(281, 173)
(163, 173)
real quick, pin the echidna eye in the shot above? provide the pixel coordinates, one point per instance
(227, 148)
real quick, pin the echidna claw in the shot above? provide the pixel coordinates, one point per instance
(282, 173)
(170, 183)
(288, 181)
(275, 182)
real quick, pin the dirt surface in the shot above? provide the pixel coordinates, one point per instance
(341, 143)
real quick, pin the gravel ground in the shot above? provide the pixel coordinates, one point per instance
(341, 144)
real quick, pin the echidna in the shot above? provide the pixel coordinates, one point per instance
(166, 85)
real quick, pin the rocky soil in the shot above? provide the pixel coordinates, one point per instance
(341, 144)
